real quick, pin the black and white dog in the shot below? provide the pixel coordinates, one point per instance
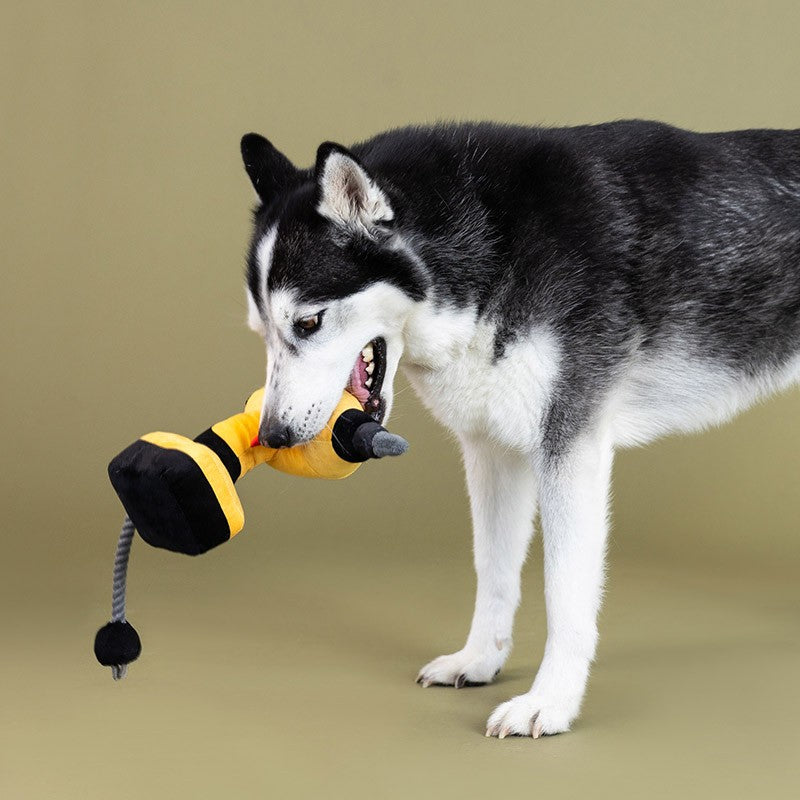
(552, 293)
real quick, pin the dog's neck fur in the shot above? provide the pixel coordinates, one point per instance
(435, 334)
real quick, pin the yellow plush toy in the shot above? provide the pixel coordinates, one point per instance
(179, 493)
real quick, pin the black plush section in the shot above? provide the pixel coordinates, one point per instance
(168, 498)
(117, 643)
(216, 443)
(352, 435)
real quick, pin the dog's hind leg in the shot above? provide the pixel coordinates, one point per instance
(574, 490)
(502, 493)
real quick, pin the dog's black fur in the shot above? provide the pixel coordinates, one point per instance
(622, 236)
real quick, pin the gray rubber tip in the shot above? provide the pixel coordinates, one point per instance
(388, 444)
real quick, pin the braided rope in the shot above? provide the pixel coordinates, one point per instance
(119, 583)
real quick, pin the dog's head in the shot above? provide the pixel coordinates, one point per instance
(330, 282)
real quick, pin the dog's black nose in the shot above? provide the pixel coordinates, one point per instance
(275, 434)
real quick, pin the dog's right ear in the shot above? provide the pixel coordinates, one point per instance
(347, 194)
(269, 170)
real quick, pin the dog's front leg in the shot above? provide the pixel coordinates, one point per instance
(503, 502)
(573, 497)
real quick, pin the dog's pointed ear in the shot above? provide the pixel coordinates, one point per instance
(346, 193)
(269, 170)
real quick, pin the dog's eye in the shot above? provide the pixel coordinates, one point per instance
(306, 325)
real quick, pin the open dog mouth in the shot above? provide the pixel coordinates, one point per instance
(366, 378)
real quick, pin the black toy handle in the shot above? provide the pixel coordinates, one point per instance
(358, 437)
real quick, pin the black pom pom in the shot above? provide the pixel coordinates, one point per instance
(117, 643)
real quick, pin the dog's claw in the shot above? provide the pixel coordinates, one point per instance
(463, 668)
(532, 715)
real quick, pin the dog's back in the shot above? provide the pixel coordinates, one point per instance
(642, 246)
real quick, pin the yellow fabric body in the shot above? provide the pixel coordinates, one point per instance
(238, 431)
(212, 467)
(314, 459)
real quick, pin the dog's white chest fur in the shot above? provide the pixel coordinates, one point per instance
(449, 359)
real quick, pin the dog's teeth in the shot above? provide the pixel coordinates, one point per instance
(370, 368)
(368, 383)
(367, 353)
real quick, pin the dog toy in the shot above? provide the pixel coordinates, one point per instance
(179, 493)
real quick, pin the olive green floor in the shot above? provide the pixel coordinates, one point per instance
(293, 677)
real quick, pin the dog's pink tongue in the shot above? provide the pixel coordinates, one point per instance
(357, 379)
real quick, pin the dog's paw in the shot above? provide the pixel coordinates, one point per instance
(531, 715)
(464, 668)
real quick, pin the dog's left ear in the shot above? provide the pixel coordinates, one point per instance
(346, 193)
(269, 170)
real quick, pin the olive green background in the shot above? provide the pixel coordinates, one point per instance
(282, 665)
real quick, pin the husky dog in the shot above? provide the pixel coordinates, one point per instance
(552, 294)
